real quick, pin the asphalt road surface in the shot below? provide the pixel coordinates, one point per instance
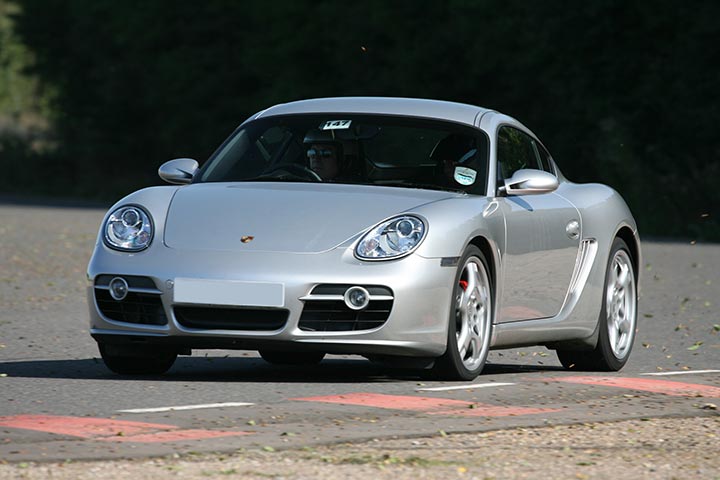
(58, 401)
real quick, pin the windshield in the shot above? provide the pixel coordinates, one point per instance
(358, 149)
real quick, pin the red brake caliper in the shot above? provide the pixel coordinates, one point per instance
(463, 284)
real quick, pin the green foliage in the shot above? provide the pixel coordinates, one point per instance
(16, 89)
(621, 91)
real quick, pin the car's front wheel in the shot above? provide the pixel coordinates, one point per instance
(470, 322)
(136, 361)
(618, 317)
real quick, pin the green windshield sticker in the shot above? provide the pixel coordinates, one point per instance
(336, 125)
(465, 176)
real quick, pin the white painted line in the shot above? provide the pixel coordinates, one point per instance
(684, 372)
(464, 387)
(186, 407)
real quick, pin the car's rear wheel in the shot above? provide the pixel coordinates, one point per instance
(136, 360)
(618, 317)
(470, 320)
(283, 357)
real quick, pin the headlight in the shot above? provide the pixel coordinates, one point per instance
(128, 228)
(393, 238)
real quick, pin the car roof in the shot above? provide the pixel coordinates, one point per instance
(412, 107)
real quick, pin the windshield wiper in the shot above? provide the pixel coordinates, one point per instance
(427, 186)
(276, 178)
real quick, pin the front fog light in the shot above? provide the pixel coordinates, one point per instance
(118, 288)
(357, 298)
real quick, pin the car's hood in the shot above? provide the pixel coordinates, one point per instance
(282, 217)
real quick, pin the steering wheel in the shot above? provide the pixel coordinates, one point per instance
(295, 169)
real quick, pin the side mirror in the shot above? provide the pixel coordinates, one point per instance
(178, 171)
(530, 182)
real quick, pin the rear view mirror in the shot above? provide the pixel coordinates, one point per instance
(530, 182)
(179, 171)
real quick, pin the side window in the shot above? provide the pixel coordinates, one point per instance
(544, 158)
(515, 151)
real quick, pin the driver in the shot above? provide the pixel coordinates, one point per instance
(323, 159)
(330, 157)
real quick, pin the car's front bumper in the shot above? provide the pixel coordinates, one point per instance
(416, 324)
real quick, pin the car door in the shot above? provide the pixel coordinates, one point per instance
(542, 236)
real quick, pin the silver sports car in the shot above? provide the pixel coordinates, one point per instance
(419, 233)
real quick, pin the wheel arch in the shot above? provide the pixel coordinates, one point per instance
(492, 256)
(628, 236)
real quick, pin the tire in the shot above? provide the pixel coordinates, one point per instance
(618, 317)
(470, 320)
(282, 357)
(136, 361)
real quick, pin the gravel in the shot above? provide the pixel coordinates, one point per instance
(664, 448)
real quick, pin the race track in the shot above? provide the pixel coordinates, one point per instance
(58, 401)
